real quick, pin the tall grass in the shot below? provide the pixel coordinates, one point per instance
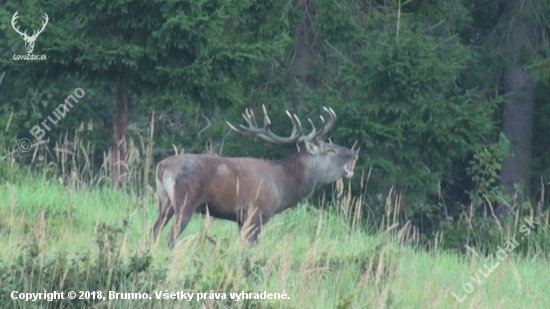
(63, 228)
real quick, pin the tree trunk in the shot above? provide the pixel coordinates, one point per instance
(517, 115)
(118, 149)
(304, 53)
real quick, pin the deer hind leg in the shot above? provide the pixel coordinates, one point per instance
(187, 206)
(166, 211)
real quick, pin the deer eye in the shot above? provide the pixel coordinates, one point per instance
(332, 151)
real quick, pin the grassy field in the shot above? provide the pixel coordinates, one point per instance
(313, 256)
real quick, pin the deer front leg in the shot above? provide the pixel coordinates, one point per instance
(251, 225)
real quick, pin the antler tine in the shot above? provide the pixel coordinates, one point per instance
(267, 121)
(44, 24)
(294, 129)
(249, 118)
(299, 125)
(232, 127)
(314, 131)
(13, 23)
(36, 32)
(253, 118)
(313, 134)
(326, 126)
(251, 121)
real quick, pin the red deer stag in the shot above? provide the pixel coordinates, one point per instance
(241, 189)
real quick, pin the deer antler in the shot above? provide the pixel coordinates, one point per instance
(34, 33)
(13, 24)
(326, 126)
(43, 26)
(296, 136)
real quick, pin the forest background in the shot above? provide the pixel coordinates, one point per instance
(448, 100)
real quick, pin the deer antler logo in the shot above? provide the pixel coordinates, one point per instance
(29, 40)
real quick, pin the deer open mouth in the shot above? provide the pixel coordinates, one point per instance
(348, 168)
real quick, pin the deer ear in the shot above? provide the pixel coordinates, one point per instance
(313, 146)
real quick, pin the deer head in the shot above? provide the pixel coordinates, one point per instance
(29, 40)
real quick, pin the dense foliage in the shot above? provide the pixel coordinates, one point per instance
(417, 84)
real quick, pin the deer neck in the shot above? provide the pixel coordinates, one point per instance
(294, 180)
